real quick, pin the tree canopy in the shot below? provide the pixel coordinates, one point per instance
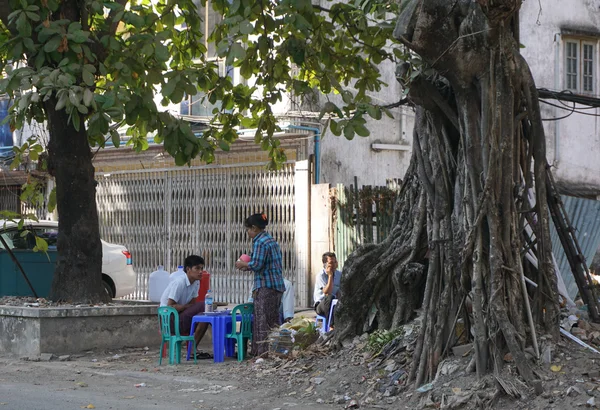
(89, 68)
(104, 62)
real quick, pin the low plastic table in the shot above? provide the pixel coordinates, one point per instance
(221, 325)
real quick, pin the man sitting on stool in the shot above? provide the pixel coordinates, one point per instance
(327, 286)
(181, 294)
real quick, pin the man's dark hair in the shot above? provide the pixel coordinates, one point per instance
(191, 261)
(258, 220)
(328, 255)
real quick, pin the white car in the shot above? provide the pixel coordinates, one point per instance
(118, 277)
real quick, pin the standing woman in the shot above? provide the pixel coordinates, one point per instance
(268, 280)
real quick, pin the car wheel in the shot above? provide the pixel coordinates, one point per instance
(108, 289)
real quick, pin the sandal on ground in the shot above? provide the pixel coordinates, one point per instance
(203, 355)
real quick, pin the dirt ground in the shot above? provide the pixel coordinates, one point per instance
(315, 379)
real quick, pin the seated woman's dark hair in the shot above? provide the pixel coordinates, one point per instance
(258, 220)
(191, 261)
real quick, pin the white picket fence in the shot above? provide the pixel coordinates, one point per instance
(163, 215)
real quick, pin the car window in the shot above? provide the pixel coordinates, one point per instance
(50, 235)
(8, 239)
(20, 240)
(16, 240)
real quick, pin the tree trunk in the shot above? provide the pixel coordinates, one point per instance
(78, 274)
(478, 151)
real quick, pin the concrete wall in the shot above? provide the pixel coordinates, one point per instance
(342, 159)
(321, 231)
(573, 143)
(26, 331)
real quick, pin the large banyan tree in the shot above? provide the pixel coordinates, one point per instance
(473, 199)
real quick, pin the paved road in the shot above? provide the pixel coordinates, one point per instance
(25, 396)
(54, 390)
(107, 384)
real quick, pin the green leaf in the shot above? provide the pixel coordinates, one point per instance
(118, 17)
(154, 77)
(246, 27)
(52, 200)
(347, 96)
(349, 131)
(335, 129)
(180, 158)
(76, 120)
(28, 43)
(235, 6)
(109, 100)
(162, 53)
(88, 78)
(374, 112)
(169, 87)
(40, 59)
(53, 5)
(52, 44)
(23, 26)
(236, 52)
(33, 16)
(361, 130)
(73, 27)
(40, 245)
(80, 37)
(88, 96)
(115, 138)
(62, 101)
(224, 145)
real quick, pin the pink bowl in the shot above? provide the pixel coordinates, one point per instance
(245, 258)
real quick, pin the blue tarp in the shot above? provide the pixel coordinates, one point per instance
(6, 135)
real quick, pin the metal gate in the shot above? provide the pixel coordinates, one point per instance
(164, 215)
(10, 198)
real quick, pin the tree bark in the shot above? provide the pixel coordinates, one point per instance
(478, 145)
(78, 274)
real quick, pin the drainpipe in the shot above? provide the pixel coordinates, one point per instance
(317, 132)
(557, 42)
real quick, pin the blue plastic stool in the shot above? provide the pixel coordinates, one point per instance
(323, 320)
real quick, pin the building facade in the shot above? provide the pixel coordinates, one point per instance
(561, 44)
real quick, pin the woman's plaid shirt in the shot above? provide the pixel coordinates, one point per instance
(266, 263)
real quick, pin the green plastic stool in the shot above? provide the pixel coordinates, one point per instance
(165, 313)
(246, 310)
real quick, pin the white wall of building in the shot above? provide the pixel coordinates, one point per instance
(573, 143)
(342, 159)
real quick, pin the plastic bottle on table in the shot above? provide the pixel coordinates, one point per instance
(177, 274)
(157, 283)
(208, 302)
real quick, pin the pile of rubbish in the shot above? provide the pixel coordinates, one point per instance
(576, 325)
(297, 334)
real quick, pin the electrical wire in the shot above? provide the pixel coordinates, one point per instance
(572, 109)
(567, 96)
(557, 118)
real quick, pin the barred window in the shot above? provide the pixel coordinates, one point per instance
(580, 56)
